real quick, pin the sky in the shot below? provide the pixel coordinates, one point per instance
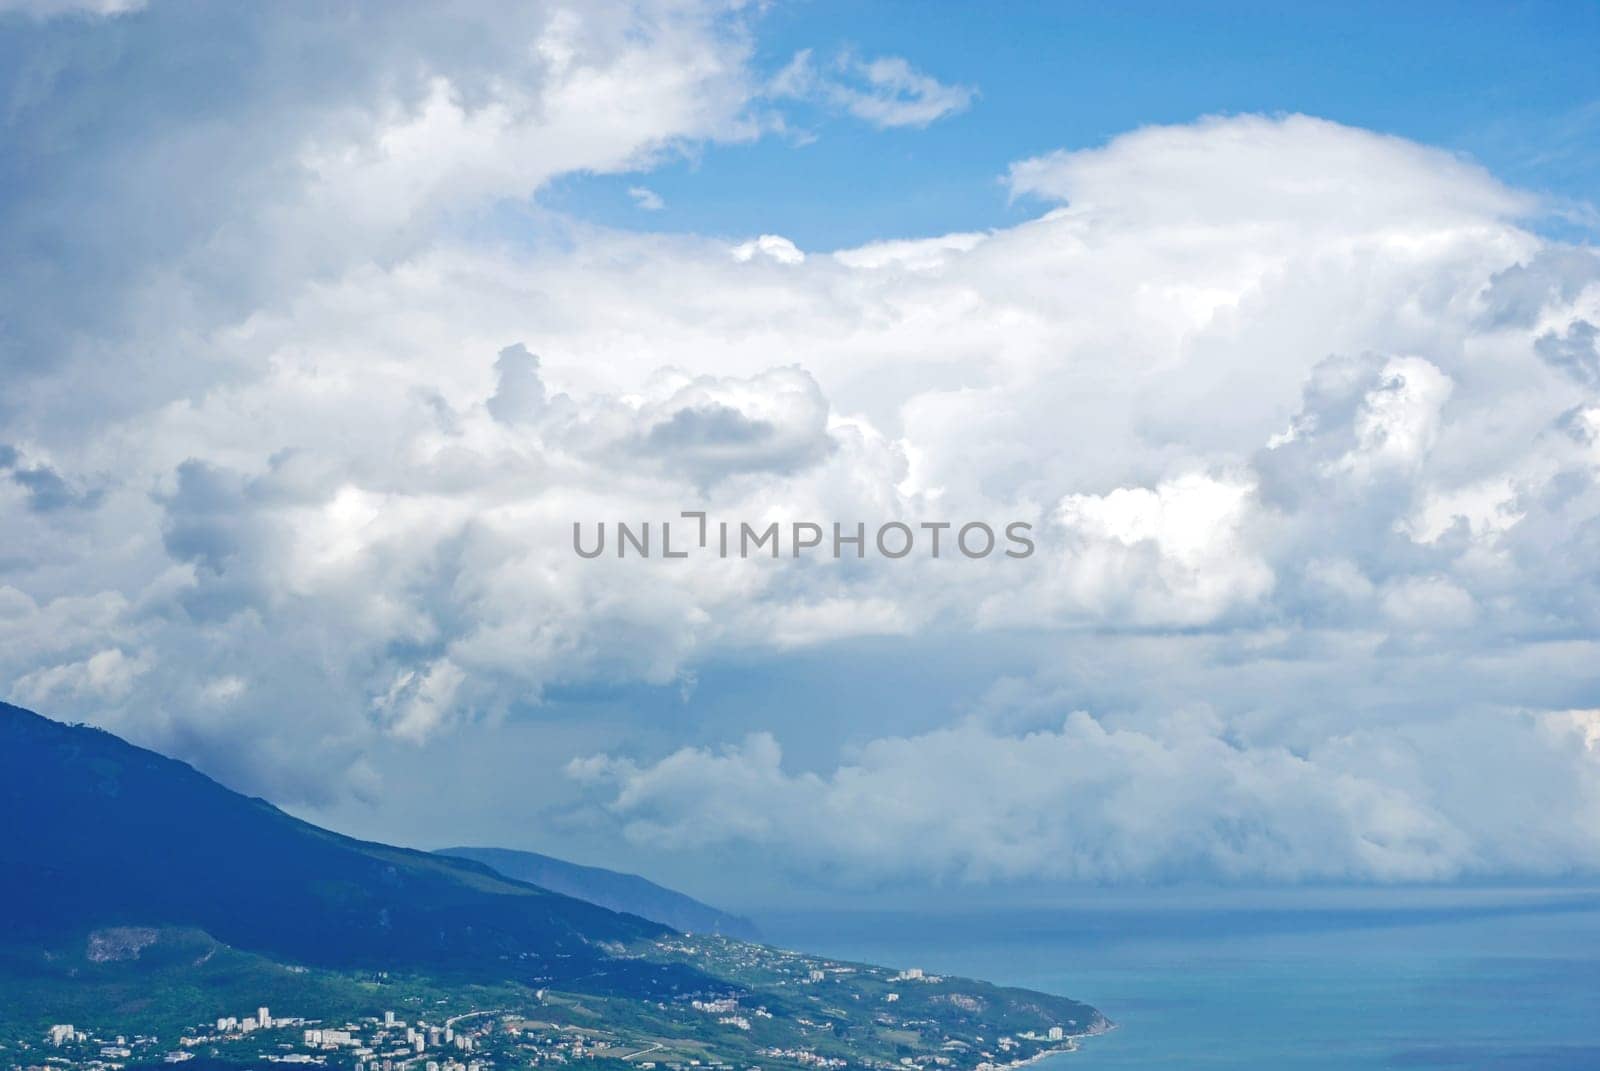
(323, 325)
(1513, 85)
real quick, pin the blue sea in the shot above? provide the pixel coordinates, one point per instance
(1432, 979)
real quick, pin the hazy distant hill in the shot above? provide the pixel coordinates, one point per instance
(612, 889)
(95, 832)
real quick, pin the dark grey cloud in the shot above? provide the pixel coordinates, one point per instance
(519, 394)
(47, 490)
(1575, 351)
(710, 427)
(206, 517)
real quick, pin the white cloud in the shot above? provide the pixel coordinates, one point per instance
(223, 690)
(1174, 553)
(772, 246)
(105, 676)
(1425, 603)
(1487, 508)
(886, 91)
(420, 702)
(646, 198)
(341, 460)
(1399, 418)
(1270, 170)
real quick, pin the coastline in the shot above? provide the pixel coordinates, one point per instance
(1070, 1044)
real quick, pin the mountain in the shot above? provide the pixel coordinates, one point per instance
(145, 900)
(95, 832)
(611, 889)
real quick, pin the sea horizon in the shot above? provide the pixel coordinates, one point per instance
(1438, 977)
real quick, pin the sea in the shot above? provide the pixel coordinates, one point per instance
(1435, 979)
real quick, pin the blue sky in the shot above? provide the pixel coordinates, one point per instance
(324, 325)
(1514, 86)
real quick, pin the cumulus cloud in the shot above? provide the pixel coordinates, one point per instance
(771, 246)
(1168, 553)
(1302, 416)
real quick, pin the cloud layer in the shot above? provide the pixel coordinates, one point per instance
(1080, 801)
(1304, 417)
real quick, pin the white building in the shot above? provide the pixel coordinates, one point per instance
(1055, 1033)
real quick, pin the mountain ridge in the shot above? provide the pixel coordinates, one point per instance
(613, 889)
(115, 834)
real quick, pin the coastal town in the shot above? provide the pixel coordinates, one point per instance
(471, 1042)
(787, 1010)
(378, 1043)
